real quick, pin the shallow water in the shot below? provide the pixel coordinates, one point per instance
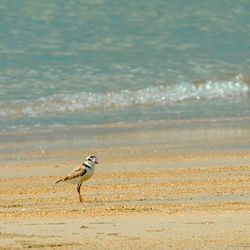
(94, 62)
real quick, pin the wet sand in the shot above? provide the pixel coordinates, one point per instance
(142, 195)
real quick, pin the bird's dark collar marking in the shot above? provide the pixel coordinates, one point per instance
(87, 166)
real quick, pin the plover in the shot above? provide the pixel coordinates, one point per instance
(81, 173)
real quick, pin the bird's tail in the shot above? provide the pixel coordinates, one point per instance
(58, 181)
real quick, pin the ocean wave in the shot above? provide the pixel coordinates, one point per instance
(128, 98)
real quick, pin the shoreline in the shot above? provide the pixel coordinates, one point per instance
(208, 135)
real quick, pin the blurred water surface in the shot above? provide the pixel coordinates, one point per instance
(92, 62)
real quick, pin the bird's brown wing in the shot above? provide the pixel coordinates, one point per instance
(78, 171)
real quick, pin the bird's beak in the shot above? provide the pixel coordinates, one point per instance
(96, 162)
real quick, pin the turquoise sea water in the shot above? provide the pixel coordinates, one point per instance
(93, 62)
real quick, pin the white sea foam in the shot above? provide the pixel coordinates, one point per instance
(128, 98)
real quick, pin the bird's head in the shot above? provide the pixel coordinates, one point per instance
(92, 159)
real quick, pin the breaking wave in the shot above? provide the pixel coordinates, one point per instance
(128, 98)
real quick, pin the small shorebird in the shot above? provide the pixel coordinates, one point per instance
(81, 173)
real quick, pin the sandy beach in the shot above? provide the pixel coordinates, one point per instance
(158, 91)
(155, 188)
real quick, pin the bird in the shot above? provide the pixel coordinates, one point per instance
(81, 173)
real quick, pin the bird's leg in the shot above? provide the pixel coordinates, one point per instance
(78, 191)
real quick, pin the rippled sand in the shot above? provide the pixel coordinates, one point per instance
(141, 196)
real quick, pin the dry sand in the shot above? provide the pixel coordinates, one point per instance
(140, 197)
